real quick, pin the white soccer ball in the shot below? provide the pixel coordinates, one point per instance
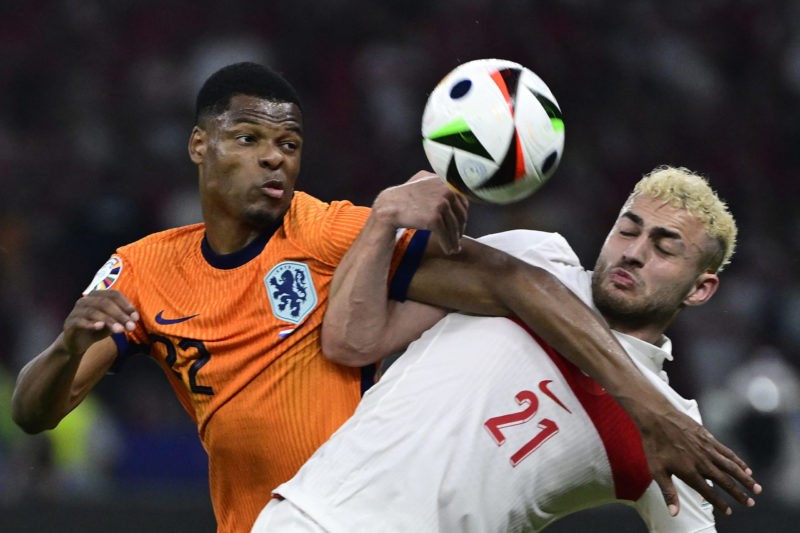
(493, 130)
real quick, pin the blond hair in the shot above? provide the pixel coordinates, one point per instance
(680, 187)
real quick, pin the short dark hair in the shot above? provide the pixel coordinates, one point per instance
(247, 78)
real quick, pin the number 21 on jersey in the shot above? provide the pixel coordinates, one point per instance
(530, 405)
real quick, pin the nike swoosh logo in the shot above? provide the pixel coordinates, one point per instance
(544, 386)
(167, 321)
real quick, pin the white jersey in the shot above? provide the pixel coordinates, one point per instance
(479, 426)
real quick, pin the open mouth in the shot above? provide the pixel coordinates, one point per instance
(273, 189)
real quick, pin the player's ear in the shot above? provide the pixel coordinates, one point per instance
(703, 289)
(197, 144)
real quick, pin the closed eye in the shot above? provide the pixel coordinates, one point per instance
(664, 251)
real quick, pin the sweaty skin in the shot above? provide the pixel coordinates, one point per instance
(653, 263)
(248, 160)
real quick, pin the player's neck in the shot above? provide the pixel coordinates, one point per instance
(231, 238)
(226, 235)
(650, 333)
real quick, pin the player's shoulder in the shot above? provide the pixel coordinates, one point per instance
(545, 245)
(306, 206)
(308, 212)
(525, 235)
(154, 252)
(173, 240)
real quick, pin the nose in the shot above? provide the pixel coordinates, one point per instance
(270, 157)
(636, 251)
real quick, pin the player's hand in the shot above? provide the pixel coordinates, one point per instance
(677, 445)
(95, 316)
(426, 202)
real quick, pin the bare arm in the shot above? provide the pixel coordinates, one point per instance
(58, 379)
(481, 280)
(361, 324)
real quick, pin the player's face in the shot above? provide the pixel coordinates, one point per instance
(652, 264)
(249, 160)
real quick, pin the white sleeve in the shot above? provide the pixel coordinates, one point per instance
(696, 515)
(535, 247)
(549, 251)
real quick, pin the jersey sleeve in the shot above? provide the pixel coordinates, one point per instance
(535, 247)
(548, 251)
(335, 233)
(332, 231)
(696, 515)
(408, 251)
(117, 274)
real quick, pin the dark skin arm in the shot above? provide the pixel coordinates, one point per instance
(477, 279)
(54, 382)
(674, 443)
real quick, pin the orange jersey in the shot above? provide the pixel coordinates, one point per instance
(238, 336)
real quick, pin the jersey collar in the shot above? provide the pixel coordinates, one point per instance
(649, 355)
(239, 257)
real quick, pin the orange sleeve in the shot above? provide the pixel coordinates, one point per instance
(329, 232)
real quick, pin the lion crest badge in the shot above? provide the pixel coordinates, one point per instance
(291, 291)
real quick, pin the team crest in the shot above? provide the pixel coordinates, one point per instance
(291, 291)
(106, 276)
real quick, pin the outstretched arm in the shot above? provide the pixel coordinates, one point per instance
(58, 379)
(481, 280)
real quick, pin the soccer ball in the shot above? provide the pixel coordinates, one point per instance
(493, 130)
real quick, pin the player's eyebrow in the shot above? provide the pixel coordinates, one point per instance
(663, 232)
(633, 217)
(658, 231)
(292, 126)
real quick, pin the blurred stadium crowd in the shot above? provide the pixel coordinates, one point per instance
(96, 104)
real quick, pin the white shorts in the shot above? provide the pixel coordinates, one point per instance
(282, 515)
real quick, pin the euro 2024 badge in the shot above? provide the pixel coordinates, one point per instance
(106, 276)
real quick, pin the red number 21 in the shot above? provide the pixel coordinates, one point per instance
(531, 404)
